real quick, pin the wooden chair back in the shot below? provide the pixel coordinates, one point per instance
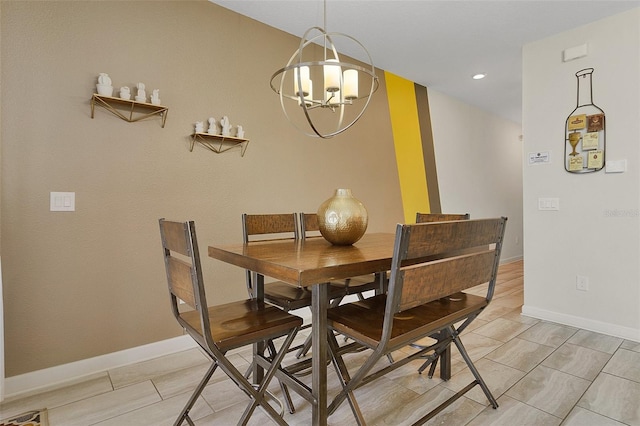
(309, 225)
(184, 274)
(440, 217)
(436, 259)
(277, 225)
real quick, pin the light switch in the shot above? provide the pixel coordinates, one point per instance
(548, 204)
(616, 166)
(62, 202)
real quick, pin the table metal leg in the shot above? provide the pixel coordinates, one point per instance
(258, 347)
(319, 345)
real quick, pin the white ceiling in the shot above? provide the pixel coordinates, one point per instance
(441, 44)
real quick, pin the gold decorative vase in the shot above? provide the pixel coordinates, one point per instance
(342, 219)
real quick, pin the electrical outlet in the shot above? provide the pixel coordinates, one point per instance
(582, 283)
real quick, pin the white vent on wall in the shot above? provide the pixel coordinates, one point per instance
(574, 52)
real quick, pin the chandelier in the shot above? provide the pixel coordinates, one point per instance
(321, 92)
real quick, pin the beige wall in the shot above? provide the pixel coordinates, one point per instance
(85, 283)
(486, 144)
(596, 232)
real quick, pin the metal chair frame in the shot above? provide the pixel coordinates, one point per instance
(430, 260)
(184, 277)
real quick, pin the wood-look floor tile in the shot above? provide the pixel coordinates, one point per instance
(376, 400)
(520, 354)
(105, 406)
(501, 329)
(613, 397)
(501, 291)
(624, 363)
(408, 377)
(187, 379)
(517, 316)
(513, 412)
(476, 345)
(513, 300)
(223, 394)
(548, 333)
(597, 341)
(57, 397)
(163, 413)
(124, 376)
(498, 378)
(231, 415)
(549, 390)
(577, 360)
(494, 311)
(516, 281)
(582, 417)
(458, 413)
(630, 345)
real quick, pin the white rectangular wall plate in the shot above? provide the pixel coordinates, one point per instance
(616, 166)
(574, 52)
(548, 204)
(62, 202)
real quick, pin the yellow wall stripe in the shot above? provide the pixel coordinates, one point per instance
(408, 145)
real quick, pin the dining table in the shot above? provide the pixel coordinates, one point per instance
(313, 263)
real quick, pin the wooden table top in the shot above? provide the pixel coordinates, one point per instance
(312, 260)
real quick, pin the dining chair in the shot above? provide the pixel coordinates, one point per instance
(427, 265)
(260, 227)
(221, 328)
(309, 228)
(440, 217)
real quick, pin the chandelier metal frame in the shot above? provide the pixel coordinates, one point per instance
(329, 100)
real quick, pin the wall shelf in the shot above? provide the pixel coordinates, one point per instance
(136, 110)
(219, 143)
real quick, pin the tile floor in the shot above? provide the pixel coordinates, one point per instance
(541, 373)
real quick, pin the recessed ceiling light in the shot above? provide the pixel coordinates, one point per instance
(479, 76)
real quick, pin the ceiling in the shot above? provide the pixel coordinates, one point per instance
(441, 44)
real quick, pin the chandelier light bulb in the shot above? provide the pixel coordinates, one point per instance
(302, 78)
(350, 84)
(331, 76)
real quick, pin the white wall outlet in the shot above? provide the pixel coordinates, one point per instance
(582, 283)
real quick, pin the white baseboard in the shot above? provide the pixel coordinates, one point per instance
(584, 323)
(72, 372)
(504, 261)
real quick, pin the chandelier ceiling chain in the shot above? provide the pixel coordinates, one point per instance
(339, 80)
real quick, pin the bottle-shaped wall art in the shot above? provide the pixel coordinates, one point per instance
(585, 131)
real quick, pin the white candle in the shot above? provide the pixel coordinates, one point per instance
(350, 84)
(304, 79)
(331, 77)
